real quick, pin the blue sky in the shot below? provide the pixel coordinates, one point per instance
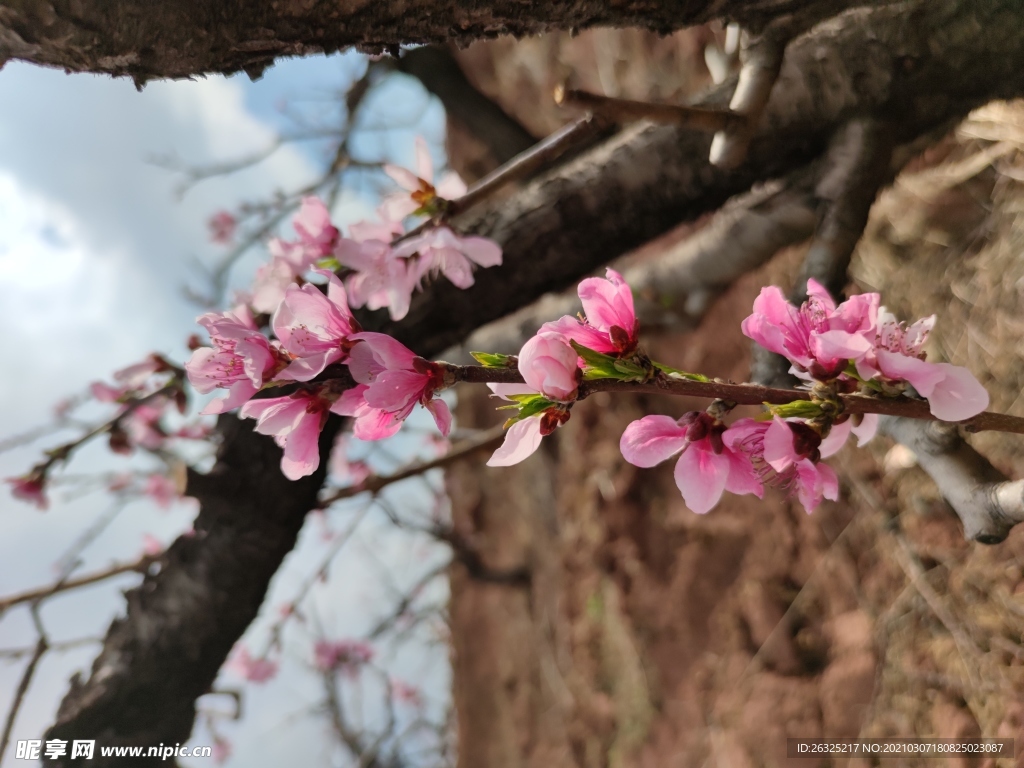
(95, 247)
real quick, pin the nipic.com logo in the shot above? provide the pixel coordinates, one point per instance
(54, 749)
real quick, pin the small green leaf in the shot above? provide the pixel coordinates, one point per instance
(676, 373)
(328, 262)
(493, 360)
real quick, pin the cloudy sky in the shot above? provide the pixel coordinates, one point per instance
(95, 248)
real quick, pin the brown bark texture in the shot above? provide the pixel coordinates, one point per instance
(186, 38)
(920, 66)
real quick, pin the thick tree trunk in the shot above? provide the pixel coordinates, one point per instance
(183, 38)
(920, 66)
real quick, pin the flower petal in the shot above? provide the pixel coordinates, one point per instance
(701, 477)
(521, 440)
(958, 396)
(651, 440)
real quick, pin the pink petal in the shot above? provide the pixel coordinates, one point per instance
(481, 251)
(922, 374)
(867, 428)
(521, 440)
(504, 390)
(424, 165)
(779, 452)
(442, 415)
(839, 345)
(742, 478)
(391, 353)
(396, 390)
(301, 450)
(450, 187)
(816, 290)
(651, 440)
(238, 394)
(958, 396)
(608, 302)
(701, 477)
(406, 179)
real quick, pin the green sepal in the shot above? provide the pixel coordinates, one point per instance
(328, 262)
(492, 360)
(798, 409)
(528, 405)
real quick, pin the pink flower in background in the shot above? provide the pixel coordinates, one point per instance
(141, 427)
(30, 488)
(161, 489)
(397, 379)
(342, 655)
(818, 337)
(252, 669)
(295, 422)
(550, 366)
(240, 360)
(151, 545)
(317, 329)
(368, 423)
(420, 191)
(341, 468)
(953, 393)
(221, 750)
(135, 376)
(786, 455)
(381, 279)
(708, 465)
(104, 393)
(610, 326)
(222, 227)
(441, 250)
(406, 694)
(313, 225)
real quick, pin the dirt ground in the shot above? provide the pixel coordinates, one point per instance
(650, 636)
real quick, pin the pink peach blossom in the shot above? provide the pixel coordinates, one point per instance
(839, 434)
(550, 366)
(341, 468)
(610, 326)
(222, 227)
(342, 655)
(313, 225)
(523, 438)
(252, 669)
(288, 261)
(818, 337)
(419, 186)
(240, 360)
(381, 278)
(368, 423)
(161, 489)
(397, 379)
(316, 329)
(953, 393)
(708, 465)
(442, 251)
(30, 488)
(151, 545)
(787, 455)
(295, 422)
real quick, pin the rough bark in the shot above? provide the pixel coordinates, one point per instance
(185, 38)
(921, 67)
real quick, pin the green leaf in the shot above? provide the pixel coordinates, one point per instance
(676, 373)
(493, 360)
(328, 262)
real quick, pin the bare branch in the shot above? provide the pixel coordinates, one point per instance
(138, 566)
(986, 502)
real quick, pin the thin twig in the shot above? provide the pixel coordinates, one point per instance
(627, 110)
(26, 679)
(375, 483)
(138, 566)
